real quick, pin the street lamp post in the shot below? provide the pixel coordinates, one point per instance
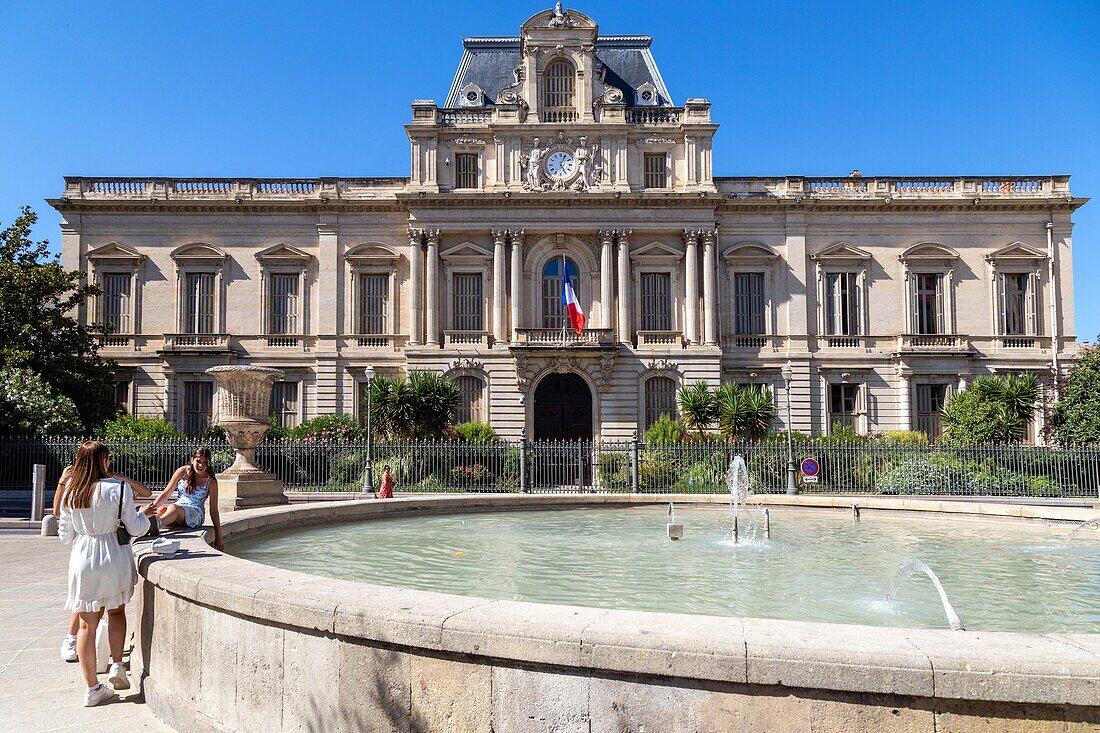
(788, 375)
(368, 476)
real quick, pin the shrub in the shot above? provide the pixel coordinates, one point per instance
(476, 432)
(743, 413)
(614, 471)
(1075, 419)
(327, 428)
(29, 406)
(697, 406)
(472, 475)
(994, 409)
(664, 430)
(128, 427)
(905, 437)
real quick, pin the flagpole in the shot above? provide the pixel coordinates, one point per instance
(564, 309)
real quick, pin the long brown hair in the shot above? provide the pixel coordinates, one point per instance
(87, 471)
(200, 452)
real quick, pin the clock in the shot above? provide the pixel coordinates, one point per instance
(560, 165)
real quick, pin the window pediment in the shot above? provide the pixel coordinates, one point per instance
(372, 253)
(115, 253)
(929, 251)
(283, 254)
(750, 253)
(199, 253)
(656, 252)
(466, 252)
(841, 252)
(1017, 252)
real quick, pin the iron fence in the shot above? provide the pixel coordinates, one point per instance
(873, 467)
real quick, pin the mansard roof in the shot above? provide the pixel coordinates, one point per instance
(488, 63)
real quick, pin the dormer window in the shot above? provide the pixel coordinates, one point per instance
(559, 84)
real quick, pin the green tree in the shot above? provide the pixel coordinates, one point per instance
(1075, 419)
(420, 407)
(37, 328)
(664, 430)
(994, 409)
(127, 427)
(744, 413)
(29, 406)
(697, 407)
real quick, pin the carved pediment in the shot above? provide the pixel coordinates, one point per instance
(199, 251)
(283, 253)
(928, 251)
(115, 252)
(468, 252)
(656, 251)
(372, 253)
(1015, 252)
(841, 251)
(750, 252)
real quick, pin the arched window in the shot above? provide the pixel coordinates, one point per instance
(469, 408)
(558, 85)
(553, 315)
(660, 399)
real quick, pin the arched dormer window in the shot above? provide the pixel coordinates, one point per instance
(558, 89)
(553, 315)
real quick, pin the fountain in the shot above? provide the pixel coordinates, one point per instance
(675, 531)
(1093, 524)
(906, 571)
(243, 409)
(737, 480)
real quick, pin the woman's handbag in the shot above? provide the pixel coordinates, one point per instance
(121, 533)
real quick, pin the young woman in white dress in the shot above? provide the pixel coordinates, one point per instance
(102, 573)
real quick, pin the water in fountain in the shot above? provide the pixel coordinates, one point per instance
(1092, 524)
(909, 568)
(671, 513)
(748, 519)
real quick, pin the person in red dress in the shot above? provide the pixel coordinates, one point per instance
(387, 484)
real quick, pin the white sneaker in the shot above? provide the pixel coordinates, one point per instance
(68, 649)
(95, 695)
(118, 678)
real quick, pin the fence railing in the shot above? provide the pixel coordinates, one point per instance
(873, 467)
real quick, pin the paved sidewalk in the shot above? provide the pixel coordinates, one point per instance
(39, 692)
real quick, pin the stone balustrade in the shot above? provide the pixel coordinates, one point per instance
(557, 337)
(466, 338)
(660, 339)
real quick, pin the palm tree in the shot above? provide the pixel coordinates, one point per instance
(697, 406)
(1015, 397)
(416, 408)
(744, 413)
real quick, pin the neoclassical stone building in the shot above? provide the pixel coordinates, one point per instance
(563, 147)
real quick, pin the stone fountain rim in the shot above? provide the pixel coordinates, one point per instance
(243, 368)
(1050, 668)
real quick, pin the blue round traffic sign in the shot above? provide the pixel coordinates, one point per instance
(810, 467)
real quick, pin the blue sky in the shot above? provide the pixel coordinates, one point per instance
(311, 89)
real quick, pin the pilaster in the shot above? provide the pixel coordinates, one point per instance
(328, 281)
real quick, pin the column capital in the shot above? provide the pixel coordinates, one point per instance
(416, 236)
(432, 236)
(710, 236)
(606, 236)
(515, 235)
(623, 235)
(499, 235)
(691, 236)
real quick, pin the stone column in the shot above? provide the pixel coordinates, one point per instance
(517, 283)
(431, 312)
(499, 334)
(691, 294)
(710, 287)
(607, 289)
(626, 335)
(416, 305)
(905, 397)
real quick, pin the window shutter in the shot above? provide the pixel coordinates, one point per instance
(1031, 295)
(940, 325)
(1002, 303)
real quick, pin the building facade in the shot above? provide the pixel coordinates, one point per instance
(562, 149)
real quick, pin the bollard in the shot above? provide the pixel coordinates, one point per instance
(767, 525)
(38, 493)
(855, 512)
(49, 526)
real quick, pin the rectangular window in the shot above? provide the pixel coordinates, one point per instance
(931, 399)
(929, 303)
(283, 318)
(468, 302)
(843, 401)
(373, 296)
(116, 302)
(284, 403)
(1019, 306)
(660, 399)
(656, 170)
(199, 309)
(656, 301)
(466, 170)
(841, 304)
(122, 395)
(198, 403)
(748, 303)
(469, 409)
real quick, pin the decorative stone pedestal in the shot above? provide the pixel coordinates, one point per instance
(244, 395)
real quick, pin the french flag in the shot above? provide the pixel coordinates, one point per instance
(569, 302)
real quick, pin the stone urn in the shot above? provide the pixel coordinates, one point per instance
(242, 409)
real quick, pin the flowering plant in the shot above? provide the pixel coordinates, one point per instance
(28, 405)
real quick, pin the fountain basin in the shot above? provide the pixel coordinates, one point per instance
(224, 642)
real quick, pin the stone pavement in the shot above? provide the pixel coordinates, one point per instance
(39, 692)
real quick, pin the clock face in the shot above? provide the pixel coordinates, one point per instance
(560, 165)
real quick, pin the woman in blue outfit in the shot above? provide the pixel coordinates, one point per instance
(189, 488)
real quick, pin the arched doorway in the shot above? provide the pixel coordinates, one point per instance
(563, 408)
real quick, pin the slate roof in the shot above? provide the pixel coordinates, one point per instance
(488, 62)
